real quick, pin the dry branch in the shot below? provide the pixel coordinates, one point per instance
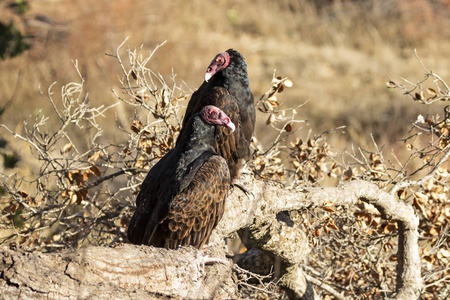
(271, 198)
(134, 271)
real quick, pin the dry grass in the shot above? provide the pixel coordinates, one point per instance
(338, 55)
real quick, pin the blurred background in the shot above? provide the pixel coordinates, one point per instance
(339, 54)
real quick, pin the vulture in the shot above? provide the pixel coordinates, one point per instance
(182, 198)
(226, 86)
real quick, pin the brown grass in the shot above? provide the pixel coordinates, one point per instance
(339, 54)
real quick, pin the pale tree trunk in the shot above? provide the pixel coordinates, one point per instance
(124, 272)
(140, 272)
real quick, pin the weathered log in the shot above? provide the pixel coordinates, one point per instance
(123, 272)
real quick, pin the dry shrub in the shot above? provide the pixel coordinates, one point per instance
(83, 193)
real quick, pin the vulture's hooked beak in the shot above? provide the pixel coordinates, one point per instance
(207, 76)
(231, 126)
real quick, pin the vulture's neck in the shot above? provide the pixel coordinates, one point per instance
(235, 78)
(197, 138)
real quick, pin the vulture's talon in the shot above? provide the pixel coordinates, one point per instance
(237, 183)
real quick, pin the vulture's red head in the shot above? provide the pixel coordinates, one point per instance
(220, 62)
(215, 116)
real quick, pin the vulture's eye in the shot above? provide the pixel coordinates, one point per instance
(219, 60)
(214, 114)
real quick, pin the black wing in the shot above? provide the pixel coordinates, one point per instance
(154, 193)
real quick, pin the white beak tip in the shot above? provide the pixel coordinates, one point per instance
(232, 126)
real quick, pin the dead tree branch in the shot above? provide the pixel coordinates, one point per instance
(134, 271)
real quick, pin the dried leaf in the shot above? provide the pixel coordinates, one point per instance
(388, 246)
(270, 119)
(83, 194)
(419, 96)
(95, 170)
(11, 208)
(145, 142)
(94, 157)
(76, 177)
(421, 197)
(430, 184)
(22, 194)
(420, 119)
(273, 99)
(419, 207)
(391, 84)
(401, 194)
(67, 147)
(327, 205)
(375, 158)
(431, 92)
(136, 126)
(434, 231)
(348, 174)
(288, 127)
(140, 162)
(422, 95)
(267, 106)
(327, 208)
(444, 252)
(333, 226)
(175, 129)
(428, 258)
(76, 198)
(73, 197)
(87, 175)
(390, 228)
(271, 104)
(288, 83)
(182, 98)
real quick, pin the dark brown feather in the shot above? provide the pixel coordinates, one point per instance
(182, 198)
(197, 210)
